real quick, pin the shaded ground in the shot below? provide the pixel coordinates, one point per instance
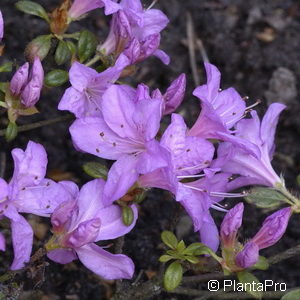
(255, 43)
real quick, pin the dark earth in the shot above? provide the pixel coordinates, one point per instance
(255, 44)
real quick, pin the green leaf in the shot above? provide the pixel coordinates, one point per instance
(40, 47)
(247, 280)
(72, 47)
(127, 215)
(298, 180)
(4, 86)
(175, 254)
(87, 45)
(95, 170)
(262, 263)
(180, 247)
(32, 8)
(192, 259)
(56, 78)
(173, 276)
(165, 258)
(190, 250)
(292, 295)
(169, 239)
(265, 197)
(6, 67)
(11, 131)
(62, 53)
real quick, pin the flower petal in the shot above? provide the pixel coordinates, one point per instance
(62, 256)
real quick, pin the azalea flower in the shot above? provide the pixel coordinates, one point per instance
(28, 85)
(81, 7)
(254, 169)
(28, 192)
(84, 220)
(136, 32)
(126, 132)
(84, 97)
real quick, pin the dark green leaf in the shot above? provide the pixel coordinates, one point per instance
(72, 47)
(265, 197)
(11, 131)
(169, 239)
(32, 8)
(87, 45)
(56, 78)
(127, 215)
(247, 280)
(62, 53)
(173, 276)
(95, 170)
(180, 246)
(192, 259)
(292, 295)
(40, 47)
(298, 180)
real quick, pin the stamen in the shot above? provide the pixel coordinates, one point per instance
(152, 4)
(190, 176)
(253, 105)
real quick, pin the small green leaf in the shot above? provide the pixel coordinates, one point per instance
(95, 170)
(4, 86)
(6, 67)
(127, 215)
(32, 8)
(87, 45)
(262, 263)
(165, 258)
(40, 47)
(175, 254)
(247, 280)
(11, 131)
(298, 180)
(190, 250)
(56, 78)
(180, 247)
(192, 259)
(62, 53)
(265, 197)
(292, 295)
(173, 276)
(169, 239)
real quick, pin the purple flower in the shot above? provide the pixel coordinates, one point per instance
(270, 233)
(88, 86)
(221, 110)
(1, 26)
(126, 132)
(80, 222)
(254, 169)
(81, 7)
(230, 225)
(136, 32)
(29, 192)
(27, 85)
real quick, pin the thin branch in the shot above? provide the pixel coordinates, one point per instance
(40, 124)
(284, 255)
(2, 164)
(203, 277)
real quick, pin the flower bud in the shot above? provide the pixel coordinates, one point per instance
(175, 94)
(248, 256)
(273, 228)
(1, 26)
(230, 225)
(19, 79)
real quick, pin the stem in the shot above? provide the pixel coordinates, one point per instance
(284, 255)
(93, 60)
(286, 193)
(39, 124)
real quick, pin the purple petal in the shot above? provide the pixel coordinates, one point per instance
(112, 225)
(1, 26)
(107, 265)
(31, 93)
(248, 256)
(81, 7)
(2, 242)
(121, 176)
(19, 79)
(62, 256)
(85, 233)
(162, 55)
(209, 233)
(22, 237)
(3, 189)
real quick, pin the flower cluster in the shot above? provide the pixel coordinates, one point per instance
(227, 148)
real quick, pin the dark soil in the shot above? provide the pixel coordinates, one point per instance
(256, 45)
